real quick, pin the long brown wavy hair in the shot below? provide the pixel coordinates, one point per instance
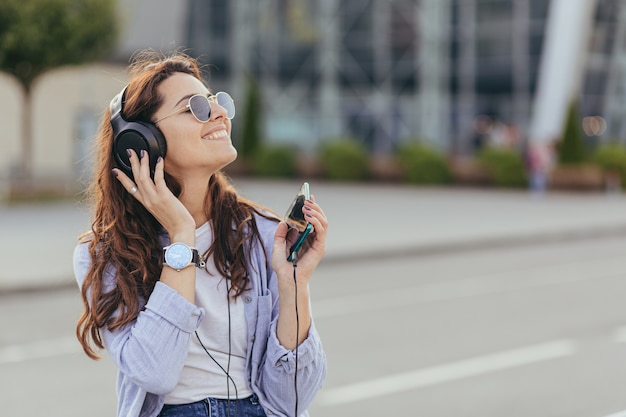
(125, 236)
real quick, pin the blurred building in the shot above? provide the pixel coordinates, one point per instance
(452, 72)
(385, 71)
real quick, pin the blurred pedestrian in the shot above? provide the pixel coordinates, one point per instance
(185, 283)
(540, 161)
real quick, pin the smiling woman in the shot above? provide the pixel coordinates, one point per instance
(184, 282)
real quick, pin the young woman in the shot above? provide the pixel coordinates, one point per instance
(226, 332)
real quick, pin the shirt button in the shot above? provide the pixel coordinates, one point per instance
(247, 299)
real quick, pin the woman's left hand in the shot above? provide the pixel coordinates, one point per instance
(311, 252)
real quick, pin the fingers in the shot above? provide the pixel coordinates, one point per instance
(143, 186)
(315, 215)
(126, 182)
(281, 233)
(280, 237)
(140, 165)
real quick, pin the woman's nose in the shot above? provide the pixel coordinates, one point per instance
(217, 111)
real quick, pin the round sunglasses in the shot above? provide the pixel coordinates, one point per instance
(200, 106)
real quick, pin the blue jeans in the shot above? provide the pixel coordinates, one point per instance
(213, 407)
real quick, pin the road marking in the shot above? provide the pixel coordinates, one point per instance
(619, 334)
(440, 374)
(444, 291)
(618, 414)
(38, 350)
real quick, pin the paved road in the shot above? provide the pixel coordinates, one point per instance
(535, 330)
(366, 220)
(431, 301)
(529, 331)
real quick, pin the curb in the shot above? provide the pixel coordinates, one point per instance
(469, 245)
(387, 253)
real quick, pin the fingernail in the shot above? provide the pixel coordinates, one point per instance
(114, 172)
(128, 152)
(159, 159)
(143, 153)
(307, 208)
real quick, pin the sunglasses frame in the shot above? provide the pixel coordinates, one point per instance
(209, 99)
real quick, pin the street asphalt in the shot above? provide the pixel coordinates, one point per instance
(366, 221)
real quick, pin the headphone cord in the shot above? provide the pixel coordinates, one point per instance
(229, 356)
(295, 375)
(227, 370)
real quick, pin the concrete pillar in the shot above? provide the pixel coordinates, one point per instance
(328, 50)
(433, 17)
(614, 105)
(466, 70)
(11, 134)
(243, 20)
(382, 95)
(521, 63)
(562, 66)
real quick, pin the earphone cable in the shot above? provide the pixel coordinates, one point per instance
(229, 356)
(227, 370)
(295, 375)
(228, 377)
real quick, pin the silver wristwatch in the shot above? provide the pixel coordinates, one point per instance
(179, 256)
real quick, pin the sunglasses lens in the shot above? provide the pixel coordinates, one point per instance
(200, 108)
(226, 101)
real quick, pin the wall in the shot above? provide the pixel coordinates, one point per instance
(66, 108)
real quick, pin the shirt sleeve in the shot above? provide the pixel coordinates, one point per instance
(151, 350)
(277, 370)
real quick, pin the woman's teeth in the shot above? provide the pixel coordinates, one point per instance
(217, 135)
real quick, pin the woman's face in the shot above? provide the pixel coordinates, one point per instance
(193, 148)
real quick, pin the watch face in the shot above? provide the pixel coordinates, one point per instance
(178, 256)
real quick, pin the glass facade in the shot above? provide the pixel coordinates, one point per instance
(386, 71)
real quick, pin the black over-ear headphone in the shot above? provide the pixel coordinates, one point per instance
(134, 135)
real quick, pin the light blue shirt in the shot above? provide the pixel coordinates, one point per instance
(150, 352)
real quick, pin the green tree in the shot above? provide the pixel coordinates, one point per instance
(251, 136)
(38, 35)
(571, 149)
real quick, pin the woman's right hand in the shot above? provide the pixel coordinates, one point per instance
(156, 197)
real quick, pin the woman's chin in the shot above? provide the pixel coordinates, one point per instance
(230, 158)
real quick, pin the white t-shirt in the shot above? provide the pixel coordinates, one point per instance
(201, 376)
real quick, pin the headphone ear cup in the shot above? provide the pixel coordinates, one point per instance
(134, 135)
(138, 136)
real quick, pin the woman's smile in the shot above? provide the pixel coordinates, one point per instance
(220, 133)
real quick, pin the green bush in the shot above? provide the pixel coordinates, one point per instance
(611, 158)
(345, 160)
(275, 161)
(423, 165)
(505, 166)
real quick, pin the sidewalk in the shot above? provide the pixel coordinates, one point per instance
(366, 221)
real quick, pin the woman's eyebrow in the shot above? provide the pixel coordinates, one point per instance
(183, 99)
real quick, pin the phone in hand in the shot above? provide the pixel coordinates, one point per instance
(295, 219)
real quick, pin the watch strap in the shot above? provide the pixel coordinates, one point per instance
(197, 259)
